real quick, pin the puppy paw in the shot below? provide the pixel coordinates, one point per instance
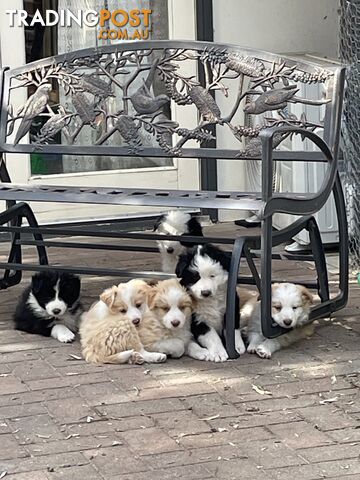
(251, 348)
(62, 334)
(136, 359)
(263, 352)
(240, 346)
(160, 358)
(217, 356)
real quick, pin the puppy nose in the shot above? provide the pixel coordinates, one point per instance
(287, 322)
(205, 293)
(56, 311)
(175, 323)
(136, 321)
(170, 250)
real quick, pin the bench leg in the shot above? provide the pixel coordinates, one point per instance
(14, 216)
(318, 253)
(232, 302)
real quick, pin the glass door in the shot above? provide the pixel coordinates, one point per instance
(141, 172)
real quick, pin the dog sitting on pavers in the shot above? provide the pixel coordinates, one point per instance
(109, 330)
(290, 308)
(50, 306)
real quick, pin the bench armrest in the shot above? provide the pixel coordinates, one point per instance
(291, 203)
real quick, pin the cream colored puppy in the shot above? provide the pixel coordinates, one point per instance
(109, 330)
(166, 328)
(290, 308)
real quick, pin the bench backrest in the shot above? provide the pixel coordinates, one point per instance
(120, 96)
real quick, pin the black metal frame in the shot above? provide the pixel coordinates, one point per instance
(266, 203)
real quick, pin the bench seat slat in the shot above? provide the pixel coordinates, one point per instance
(130, 196)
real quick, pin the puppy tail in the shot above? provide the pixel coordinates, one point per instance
(120, 358)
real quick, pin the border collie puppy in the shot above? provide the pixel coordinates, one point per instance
(175, 222)
(109, 331)
(290, 308)
(204, 272)
(50, 306)
(167, 326)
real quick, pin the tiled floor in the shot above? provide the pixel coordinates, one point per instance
(63, 419)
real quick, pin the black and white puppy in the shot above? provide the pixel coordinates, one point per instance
(204, 271)
(175, 222)
(50, 306)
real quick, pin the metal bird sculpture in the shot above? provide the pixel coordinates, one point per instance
(54, 125)
(33, 107)
(205, 103)
(143, 100)
(93, 84)
(271, 100)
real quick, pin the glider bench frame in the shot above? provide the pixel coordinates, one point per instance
(141, 79)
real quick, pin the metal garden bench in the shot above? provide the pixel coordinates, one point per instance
(266, 86)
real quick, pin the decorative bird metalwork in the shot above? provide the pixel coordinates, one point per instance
(275, 99)
(129, 131)
(54, 125)
(205, 103)
(143, 100)
(93, 84)
(33, 107)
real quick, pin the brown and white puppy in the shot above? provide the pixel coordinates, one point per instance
(166, 328)
(291, 305)
(109, 330)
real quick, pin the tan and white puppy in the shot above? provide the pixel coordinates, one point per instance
(290, 308)
(109, 330)
(167, 326)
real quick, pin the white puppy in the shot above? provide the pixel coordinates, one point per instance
(290, 309)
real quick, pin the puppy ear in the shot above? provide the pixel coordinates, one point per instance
(150, 296)
(307, 296)
(158, 222)
(194, 227)
(108, 296)
(36, 283)
(181, 265)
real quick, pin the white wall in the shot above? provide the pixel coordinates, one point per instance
(281, 26)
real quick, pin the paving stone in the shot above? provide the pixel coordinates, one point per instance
(222, 438)
(69, 410)
(35, 429)
(74, 473)
(148, 441)
(108, 426)
(34, 370)
(11, 384)
(181, 423)
(35, 475)
(130, 409)
(69, 380)
(115, 461)
(10, 448)
(300, 435)
(170, 392)
(254, 419)
(74, 444)
(330, 452)
(185, 472)
(205, 406)
(326, 417)
(333, 469)
(38, 396)
(18, 411)
(346, 435)
(44, 462)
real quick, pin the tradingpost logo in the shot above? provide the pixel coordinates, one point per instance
(112, 24)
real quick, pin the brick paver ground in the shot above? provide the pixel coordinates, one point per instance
(63, 419)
